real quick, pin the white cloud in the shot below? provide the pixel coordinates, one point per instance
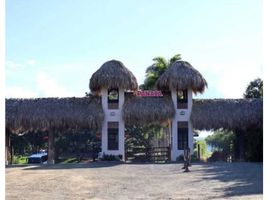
(31, 62)
(233, 80)
(19, 92)
(13, 65)
(48, 87)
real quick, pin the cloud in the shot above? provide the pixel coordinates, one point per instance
(13, 65)
(31, 62)
(48, 87)
(19, 92)
(232, 81)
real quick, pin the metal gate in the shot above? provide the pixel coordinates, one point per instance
(154, 154)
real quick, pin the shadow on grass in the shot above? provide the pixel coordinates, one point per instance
(243, 178)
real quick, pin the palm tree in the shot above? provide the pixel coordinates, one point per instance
(153, 72)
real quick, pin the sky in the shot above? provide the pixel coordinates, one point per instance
(53, 47)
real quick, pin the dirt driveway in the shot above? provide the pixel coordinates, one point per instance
(135, 181)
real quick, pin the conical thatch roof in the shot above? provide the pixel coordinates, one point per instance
(145, 110)
(113, 74)
(180, 76)
(60, 113)
(227, 113)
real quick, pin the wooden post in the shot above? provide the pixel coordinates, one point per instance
(241, 145)
(198, 152)
(51, 147)
(8, 148)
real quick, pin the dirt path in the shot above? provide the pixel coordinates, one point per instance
(135, 181)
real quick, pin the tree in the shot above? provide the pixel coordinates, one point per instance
(254, 89)
(221, 141)
(202, 147)
(139, 139)
(253, 137)
(153, 72)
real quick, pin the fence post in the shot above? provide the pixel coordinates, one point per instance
(51, 148)
(198, 152)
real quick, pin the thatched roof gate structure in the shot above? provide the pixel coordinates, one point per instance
(74, 113)
(61, 114)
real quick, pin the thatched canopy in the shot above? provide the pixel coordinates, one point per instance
(61, 113)
(145, 110)
(113, 74)
(227, 113)
(180, 76)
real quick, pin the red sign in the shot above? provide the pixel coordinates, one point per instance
(149, 93)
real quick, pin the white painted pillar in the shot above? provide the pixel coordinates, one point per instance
(181, 115)
(113, 115)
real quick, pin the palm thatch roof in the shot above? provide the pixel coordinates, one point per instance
(227, 113)
(180, 76)
(24, 115)
(113, 74)
(145, 110)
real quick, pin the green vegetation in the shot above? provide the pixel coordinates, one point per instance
(20, 159)
(254, 89)
(221, 141)
(153, 72)
(254, 136)
(141, 136)
(204, 153)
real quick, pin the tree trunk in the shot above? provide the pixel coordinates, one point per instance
(198, 152)
(8, 148)
(51, 147)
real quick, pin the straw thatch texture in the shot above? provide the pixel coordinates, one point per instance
(113, 74)
(227, 113)
(180, 76)
(24, 115)
(145, 110)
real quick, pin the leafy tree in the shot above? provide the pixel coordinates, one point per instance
(221, 141)
(254, 89)
(139, 138)
(153, 72)
(253, 137)
(203, 148)
(28, 143)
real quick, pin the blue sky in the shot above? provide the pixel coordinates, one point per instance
(53, 47)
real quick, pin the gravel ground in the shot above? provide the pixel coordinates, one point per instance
(135, 181)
